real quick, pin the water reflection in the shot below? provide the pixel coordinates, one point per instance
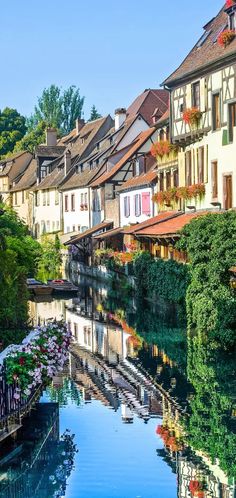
(144, 398)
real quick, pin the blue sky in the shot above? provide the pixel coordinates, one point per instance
(112, 50)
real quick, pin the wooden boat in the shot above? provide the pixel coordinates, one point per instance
(62, 285)
(38, 288)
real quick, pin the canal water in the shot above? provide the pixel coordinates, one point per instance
(140, 410)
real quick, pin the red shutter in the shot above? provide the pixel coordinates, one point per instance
(146, 204)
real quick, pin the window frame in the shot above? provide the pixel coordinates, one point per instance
(195, 85)
(231, 128)
(214, 108)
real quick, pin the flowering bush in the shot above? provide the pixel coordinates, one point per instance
(192, 116)
(163, 148)
(39, 359)
(229, 3)
(225, 37)
(172, 195)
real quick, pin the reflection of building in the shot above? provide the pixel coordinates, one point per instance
(46, 309)
(27, 463)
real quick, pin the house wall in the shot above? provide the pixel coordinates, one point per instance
(48, 214)
(22, 203)
(136, 128)
(112, 211)
(77, 220)
(132, 218)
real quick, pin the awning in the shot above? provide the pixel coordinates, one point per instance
(89, 233)
(109, 233)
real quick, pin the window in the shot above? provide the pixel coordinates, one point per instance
(23, 196)
(48, 226)
(167, 133)
(188, 168)
(162, 135)
(214, 179)
(86, 201)
(216, 111)
(53, 226)
(58, 225)
(168, 179)
(146, 208)
(72, 202)
(37, 198)
(44, 198)
(232, 120)
(75, 331)
(161, 182)
(232, 21)
(81, 200)
(203, 38)
(73, 228)
(42, 227)
(127, 206)
(200, 165)
(48, 198)
(56, 197)
(15, 199)
(196, 94)
(66, 202)
(137, 204)
(176, 178)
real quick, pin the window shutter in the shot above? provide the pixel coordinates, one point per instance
(146, 207)
(205, 172)
(202, 95)
(181, 163)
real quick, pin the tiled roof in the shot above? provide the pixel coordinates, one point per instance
(8, 162)
(28, 179)
(165, 117)
(146, 103)
(91, 231)
(49, 150)
(171, 226)
(206, 53)
(160, 218)
(140, 140)
(109, 233)
(52, 180)
(90, 129)
(80, 179)
(138, 181)
(12, 157)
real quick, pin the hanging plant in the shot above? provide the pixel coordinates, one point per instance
(197, 488)
(225, 38)
(172, 195)
(192, 116)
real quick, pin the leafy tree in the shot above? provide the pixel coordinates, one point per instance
(94, 114)
(72, 106)
(49, 264)
(33, 138)
(12, 129)
(18, 256)
(210, 242)
(58, 108)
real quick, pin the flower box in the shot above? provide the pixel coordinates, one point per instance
(225, 37)
(172, 195)
(81, 207)
(163, 148)
(192, 116)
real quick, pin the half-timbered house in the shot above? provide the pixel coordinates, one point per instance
(203, 115)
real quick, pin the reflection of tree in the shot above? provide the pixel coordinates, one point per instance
(64, 394)
(211, 426)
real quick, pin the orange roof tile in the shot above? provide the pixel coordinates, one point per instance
(171, 226)
(160, 218)
(137, 181)
(140, 140)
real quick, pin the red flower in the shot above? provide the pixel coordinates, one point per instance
(21, 360)
(229, 3)
(225, 37)
(192, 116)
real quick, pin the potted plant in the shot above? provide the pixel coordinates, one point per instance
(225, 37)
(192, 116)
(81, 207)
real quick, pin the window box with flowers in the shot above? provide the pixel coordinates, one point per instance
(226, 37)
(192, 117)
(164, 149)
(85, 207)
(197, 488)
(81, 207)
(174, 194)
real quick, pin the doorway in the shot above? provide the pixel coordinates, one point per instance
(228, 192)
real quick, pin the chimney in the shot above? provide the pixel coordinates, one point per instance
(79, 123)
(67, 162)
(120, 117)
(51, 137)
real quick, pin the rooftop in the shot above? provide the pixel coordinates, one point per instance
(207, 51)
